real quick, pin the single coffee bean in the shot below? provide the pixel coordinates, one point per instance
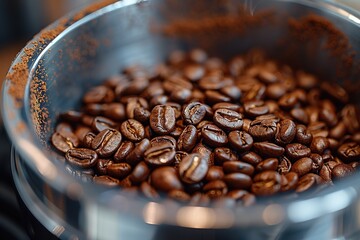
(148, 191)
(251, 157)
(141, 114)
(162, 119)
(257, 92)
(101, 123)
(222, 155)
(179, 196)
(94, 109)
(318, 129)
(193, 168)
(188, 139)
(286, 132)
(140, 173)
(238, 167)
(307, 182)
(237, 181)
(87, 141)
(137, 154)
(228, 119)
(268, 164)
(213, 135)
(204, 151)
(300, 115)
(193, 113)
(289, 181)
(99, 94)
(224, 105)
(194, 72)
(106, 142)
(106, 181)
(81, 157)
(65, 140)
(319, 145)
(240, 141)
(181, 95)
(328, 116)
(275, 91)
(302, 166)
(101, 166)
(263, 130)
(266, 183)
(317, 162)
(246, 125)
(161, 140)
(349, 152)
(72, 116)
(160, 155)
(255, 108)
(80, 132)
(124, 149)
(342, 170)
(118, 170)
(179, 155)
(303, 136)
(285, 165)
(268, 149)
(288, 101)
(214, 173)
(158, 100)
(297, 151)
(114, 111)
(213, 97)
(132, 130)
(338, 131)
(165, 179)
(306, 81)
(232, 92)
(216, 189)
(335, 91)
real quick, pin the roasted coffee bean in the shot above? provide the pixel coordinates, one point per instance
(106, 181)
(251, 157)
(101, 123)
(318, 162)
(228, 106)
(101, 166)
(342, 170)
(222, 155)
(118, 170)
(338, 131)
(246, 125)
(160, 155)
(263, 130)
(318, 129)
(286, 132)
(300, 115)
(213, 97)
(212, 82)
(216, 189)
(275, 91)
(188, 139)
(228, 119)
(303, 136)
(140, 173)
(297, 150)
(213, 135)
(137, 154)
(214, 173)
(232, 92)
(99, 94)
(268, 164)
(71, 116)
(81, 157)
(349, 152)
(162, 119)
(319, 145)
(266, 183)
(106, 142)
(238, 167)
(161, 140)
(268, 149)
(302, 166)
(194, 72)
(87, 141)
(284, 165)
(335, 91)
(289, 181)
(124, 149)
(80, 132)
(193, 113)
(350, 117)
(148, 191)
(158, 100)
(288, 101)
(203, 150)
(64, 140)
(179, 196)
(179, 155)
(237, 181)
(240, 141)
(132, 130)
(182, 95)
(307, 182)
(193, 168)
(257, 92)
(141, 114)
(94, 109)
(165, 179)
(306, 81)
(255, 108)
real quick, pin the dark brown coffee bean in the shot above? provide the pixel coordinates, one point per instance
(237, 181)
(203, 150)
(193, 168)
(275, 91)
(289, 181)
(266, 183)
(228, 106)
(71, 116)
(81, 132)
(181, 96)
(350, 117)
(228, 119)
(338, 131)
(158, 100)
(125, 148)
(303, 136)
(132, 130)
(222, 155)
(87, 141)
(141, 114)
(317, 162)
(284, 165)
(263, 130)
(268, 149)
(101, 123)
(296, 151)
(213, 82)
(65, 140)
(257, 92)
(161, 140)
(148, 191)
(165, 179)
(349, 152)
(286, 132)
(268, 164)
(213, 97)
(106, 142)
(214, 173)
(328, 116)
(238, 167)
(118, 170)
(302, 166)
(194, 72)
(137, 154)
(300, 115)
(162, 119)
(216, 189)
(232, 92)
(94, 109)
(140, 173)
(307, 182)
(188, 139)
(99, 94)
(306, 81)
(176, 82)
(319, 145)
(288, 101)
(318, 129)
(335, 91)
(160, 155)
(81, 157)
(251, 157)
(240, 141)
(101, 166)
(193, 113)
(106, 181)
(255, 108)
(213, 135)
(341, 171)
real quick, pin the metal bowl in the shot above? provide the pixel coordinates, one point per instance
(100, 44)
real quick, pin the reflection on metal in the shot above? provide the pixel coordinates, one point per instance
(153, 213)
(273, 214)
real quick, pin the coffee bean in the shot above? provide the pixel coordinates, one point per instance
(255, 108)
(106, 142)
(179, 196)
(275, 91)
(307, 182)
(213, 135)
(300, 115)
(165, 179)
(318, 162)
(87, 141)
(194, 72)
(193, 113)
(188, 138)
(137, 154)
(132, 130)
(214, 173)
(297, 151)
(160, 155)
(338, 131)
(251, 157)
(306, 81)
(246, 125)
(288, 101)
(162, 119)
(99, 94)
(238, 167)
(216, 189)
(286, 132)
(257, 92)
(161, 140)
(124, 149)
(71, 116)
(228, 106)
(349, 152)
(350, 117)
(233, 92)
(118, 170)
(64, 140)
(214, 82)
(101, 166)
(106, 181)
(319, 145)
(237, 181)
(342, 170)
(228, 119)
(101, 123)
(199, 199)
(203, 150)
(222, 155)
(81, 157)
(335, 91)
(80, 132)
(318, 129)
(240, 141)
(141, 114)
(302, 166)
(269, 149)
(140, 173)
(263, 130)
(289, 181)
(303, 136)
(284, 165)
(268, 164)
(266, 183)
(193, 168)
(213, 97)
(148, 191)
(179, 155)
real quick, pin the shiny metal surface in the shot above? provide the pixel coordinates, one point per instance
(70, 209)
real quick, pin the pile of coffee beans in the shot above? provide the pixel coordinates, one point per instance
(198, 129)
